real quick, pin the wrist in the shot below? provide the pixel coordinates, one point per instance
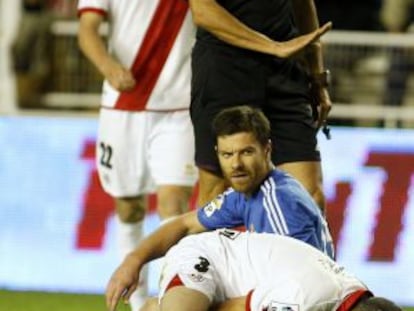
(321, 79)
(135, 259)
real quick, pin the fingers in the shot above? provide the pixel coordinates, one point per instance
(124, 81)
(112, 299)
(127, 294)
(114, 293)
(323, 116)
(323, 113)
(315, 35)
(324, 105)
(120, 78)
(288, 48)
(325, 28)
(127, 80)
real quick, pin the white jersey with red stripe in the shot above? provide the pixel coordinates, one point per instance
(154, 39)
(278, 271)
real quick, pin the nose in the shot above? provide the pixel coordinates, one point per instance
(236, 162)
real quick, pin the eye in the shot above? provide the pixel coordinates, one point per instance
(247, 152)
(225, 155)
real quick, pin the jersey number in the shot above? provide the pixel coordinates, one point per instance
(106, 155)
(203, 265)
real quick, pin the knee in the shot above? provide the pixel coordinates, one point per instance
(210, 186)
(172, 200)
(130, 210)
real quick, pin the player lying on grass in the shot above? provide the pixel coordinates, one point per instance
(236, 271)
(262, 198)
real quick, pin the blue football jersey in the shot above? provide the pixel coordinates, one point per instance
(281, 205)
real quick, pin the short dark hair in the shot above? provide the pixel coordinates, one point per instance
(376, 304)
(239, 119)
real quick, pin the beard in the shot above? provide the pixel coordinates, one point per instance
(242, 181)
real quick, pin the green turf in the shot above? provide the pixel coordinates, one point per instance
(40, 301)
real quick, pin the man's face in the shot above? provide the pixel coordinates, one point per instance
(243, 160)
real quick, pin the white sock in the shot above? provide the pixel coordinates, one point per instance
(155, 266)
(139, 296)
(128, 237)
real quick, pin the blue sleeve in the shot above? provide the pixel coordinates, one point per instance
(303, 218)
(313, 230)
(225, 211)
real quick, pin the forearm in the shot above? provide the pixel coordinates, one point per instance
(306, 19)
(210, 16)
(92, 45)
(161, 240)
(94, 48)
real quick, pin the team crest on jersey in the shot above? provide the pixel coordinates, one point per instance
(216, 204)
(213, 206)
(280, 306)
(195, 277)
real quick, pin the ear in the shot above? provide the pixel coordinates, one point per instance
(268, 148)
(215, 148)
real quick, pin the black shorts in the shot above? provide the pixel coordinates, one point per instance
(227, 77)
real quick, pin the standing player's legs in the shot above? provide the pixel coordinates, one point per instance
(210, 185)
(221, 78)
(121, 161)
(210, 180)
(309, 174)
(130, 213)
(295, 147)
(171, 161)
(288, 107)
(172, 200)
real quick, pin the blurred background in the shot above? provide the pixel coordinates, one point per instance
(56, 223)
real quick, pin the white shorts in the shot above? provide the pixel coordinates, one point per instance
(137, 151)
(192, 270)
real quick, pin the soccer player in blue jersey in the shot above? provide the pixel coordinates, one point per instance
(261, 198)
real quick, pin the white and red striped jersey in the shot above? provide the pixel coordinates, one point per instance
(154, 39)
(275, 272)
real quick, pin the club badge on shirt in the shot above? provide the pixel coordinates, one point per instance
(278, 306)
(214, 205)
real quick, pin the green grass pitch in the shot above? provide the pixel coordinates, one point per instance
(42, 301)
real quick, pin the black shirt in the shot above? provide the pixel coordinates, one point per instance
(272, 18)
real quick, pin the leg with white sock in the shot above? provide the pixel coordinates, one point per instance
(130, 230)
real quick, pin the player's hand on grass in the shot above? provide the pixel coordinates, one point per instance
(123, 282)
(289, 48)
